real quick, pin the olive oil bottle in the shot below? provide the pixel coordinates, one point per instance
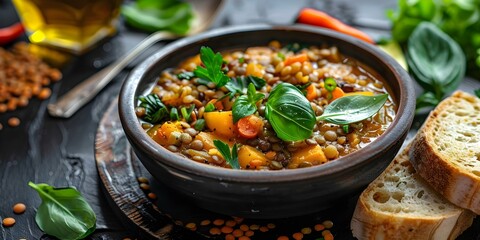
(75, 25)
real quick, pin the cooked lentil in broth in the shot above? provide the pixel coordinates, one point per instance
(198, 112)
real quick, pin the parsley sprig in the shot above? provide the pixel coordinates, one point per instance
(230, 157)
(213, 67)
(246, 105)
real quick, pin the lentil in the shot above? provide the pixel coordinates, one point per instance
(152, 196)
(142, 180)
(249, 233)
(282, 238)
(8, 222)
(243, 238)
(318, 227)
(205, 222)
(144, 186)
(13, 122)
(238, 233)
(226, 229)
(191, 226)
(215, 231)
(218, 222)
(229, 237)
(230, 223)
(19, 208)
(306, 230)
(327, 224)
(297, 236)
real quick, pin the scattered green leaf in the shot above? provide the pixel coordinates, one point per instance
(246, 104)
(351, 109)
(63, 213)
(239, 85)
(187, 112)
(185, 75)
(152, 15)
(210, 107)
(295, 47)
(155, 110)
(289, 113)
(435, 60)
(174, 114)
(477, 92)
(199, 124)
(213, 67)
(230, 157)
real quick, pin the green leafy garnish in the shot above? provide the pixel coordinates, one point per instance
(63, 213)
(477, 92)
(174, 114)
(155, 110)
(199, 124)
(354, 108)
(239, 85)
(289, 113)
(213, 67)
(185, 75)
(295, 47)
(246, 105)
(187, 112)
(152, 15)
(230, 157)
(436, 61)
(210, 107)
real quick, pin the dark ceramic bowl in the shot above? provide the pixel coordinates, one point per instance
(267, 194)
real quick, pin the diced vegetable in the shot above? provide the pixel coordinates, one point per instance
(296, 58)
(220, 123)
(166, 134)
(207, 139)
(251, 158)
(337, 93)
(249, 126)
(312, 154)
(254, 69)
(311, 92)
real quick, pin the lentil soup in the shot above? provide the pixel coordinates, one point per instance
(268, 107)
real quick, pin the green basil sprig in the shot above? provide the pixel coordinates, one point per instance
(354, 108)
(293, 119)
(63, 213)
(436, 61)
(230, 157)
(246, 104)
(213, 67)
(239, 85)
(289, 113)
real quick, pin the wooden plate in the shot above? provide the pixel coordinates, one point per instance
(170, 216)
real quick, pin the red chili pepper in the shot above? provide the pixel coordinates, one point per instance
(11, 33)
(321, 19)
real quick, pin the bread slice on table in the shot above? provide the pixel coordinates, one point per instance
(399, 204)
(446, 150)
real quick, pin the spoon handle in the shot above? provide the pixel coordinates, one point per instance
(81, 94)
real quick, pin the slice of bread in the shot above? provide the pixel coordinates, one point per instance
(399, 204)
(446, 150)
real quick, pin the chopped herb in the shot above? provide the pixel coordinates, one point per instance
(241, 60)
(346, 128)
(199, 124)
(295, 47)
(185, 75)
(155, 110)
(477, 92)
(213, 67)
(210, 107)
(239, 85)
(230, 157)
(246, 104)
(281, 55)
(330, 84)
(187, 112)
(174, 114)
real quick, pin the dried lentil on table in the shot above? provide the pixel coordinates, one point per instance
(8, 222)
(19, 208)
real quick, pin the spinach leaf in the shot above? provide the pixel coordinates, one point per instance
(152, 15)
(436, 61)
(240, 84)
(354, 108)
(230, 157)
(289, 113)
(246, 104)
(213, 67)
(63, 213)
(155, 110)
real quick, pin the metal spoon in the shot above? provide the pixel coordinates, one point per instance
(205, 12)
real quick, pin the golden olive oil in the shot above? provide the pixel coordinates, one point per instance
(74, 25)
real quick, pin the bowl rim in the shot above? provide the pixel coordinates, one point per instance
(397, 129)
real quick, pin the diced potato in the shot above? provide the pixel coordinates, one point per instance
(168, 133)
(311, 154)
(251, 158)
(220, 123)
(208, 137)
(255, 69)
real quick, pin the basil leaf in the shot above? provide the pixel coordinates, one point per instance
(289, 113)
(354, 108)
(213, 67)
(240, 84)
(63, 213)
(477, 92)
(152, 15)
(155, 110)
(246, 105)
(230, 157)
(436, 61)
(427, 99)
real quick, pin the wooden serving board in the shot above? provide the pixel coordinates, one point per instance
(171, 216)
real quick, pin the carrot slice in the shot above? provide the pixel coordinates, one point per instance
(249, 126)
(311, 92)
(296, 58)
(321, 19)
(337, 93)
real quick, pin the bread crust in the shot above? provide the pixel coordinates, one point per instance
(369, 223)
(456, 183)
